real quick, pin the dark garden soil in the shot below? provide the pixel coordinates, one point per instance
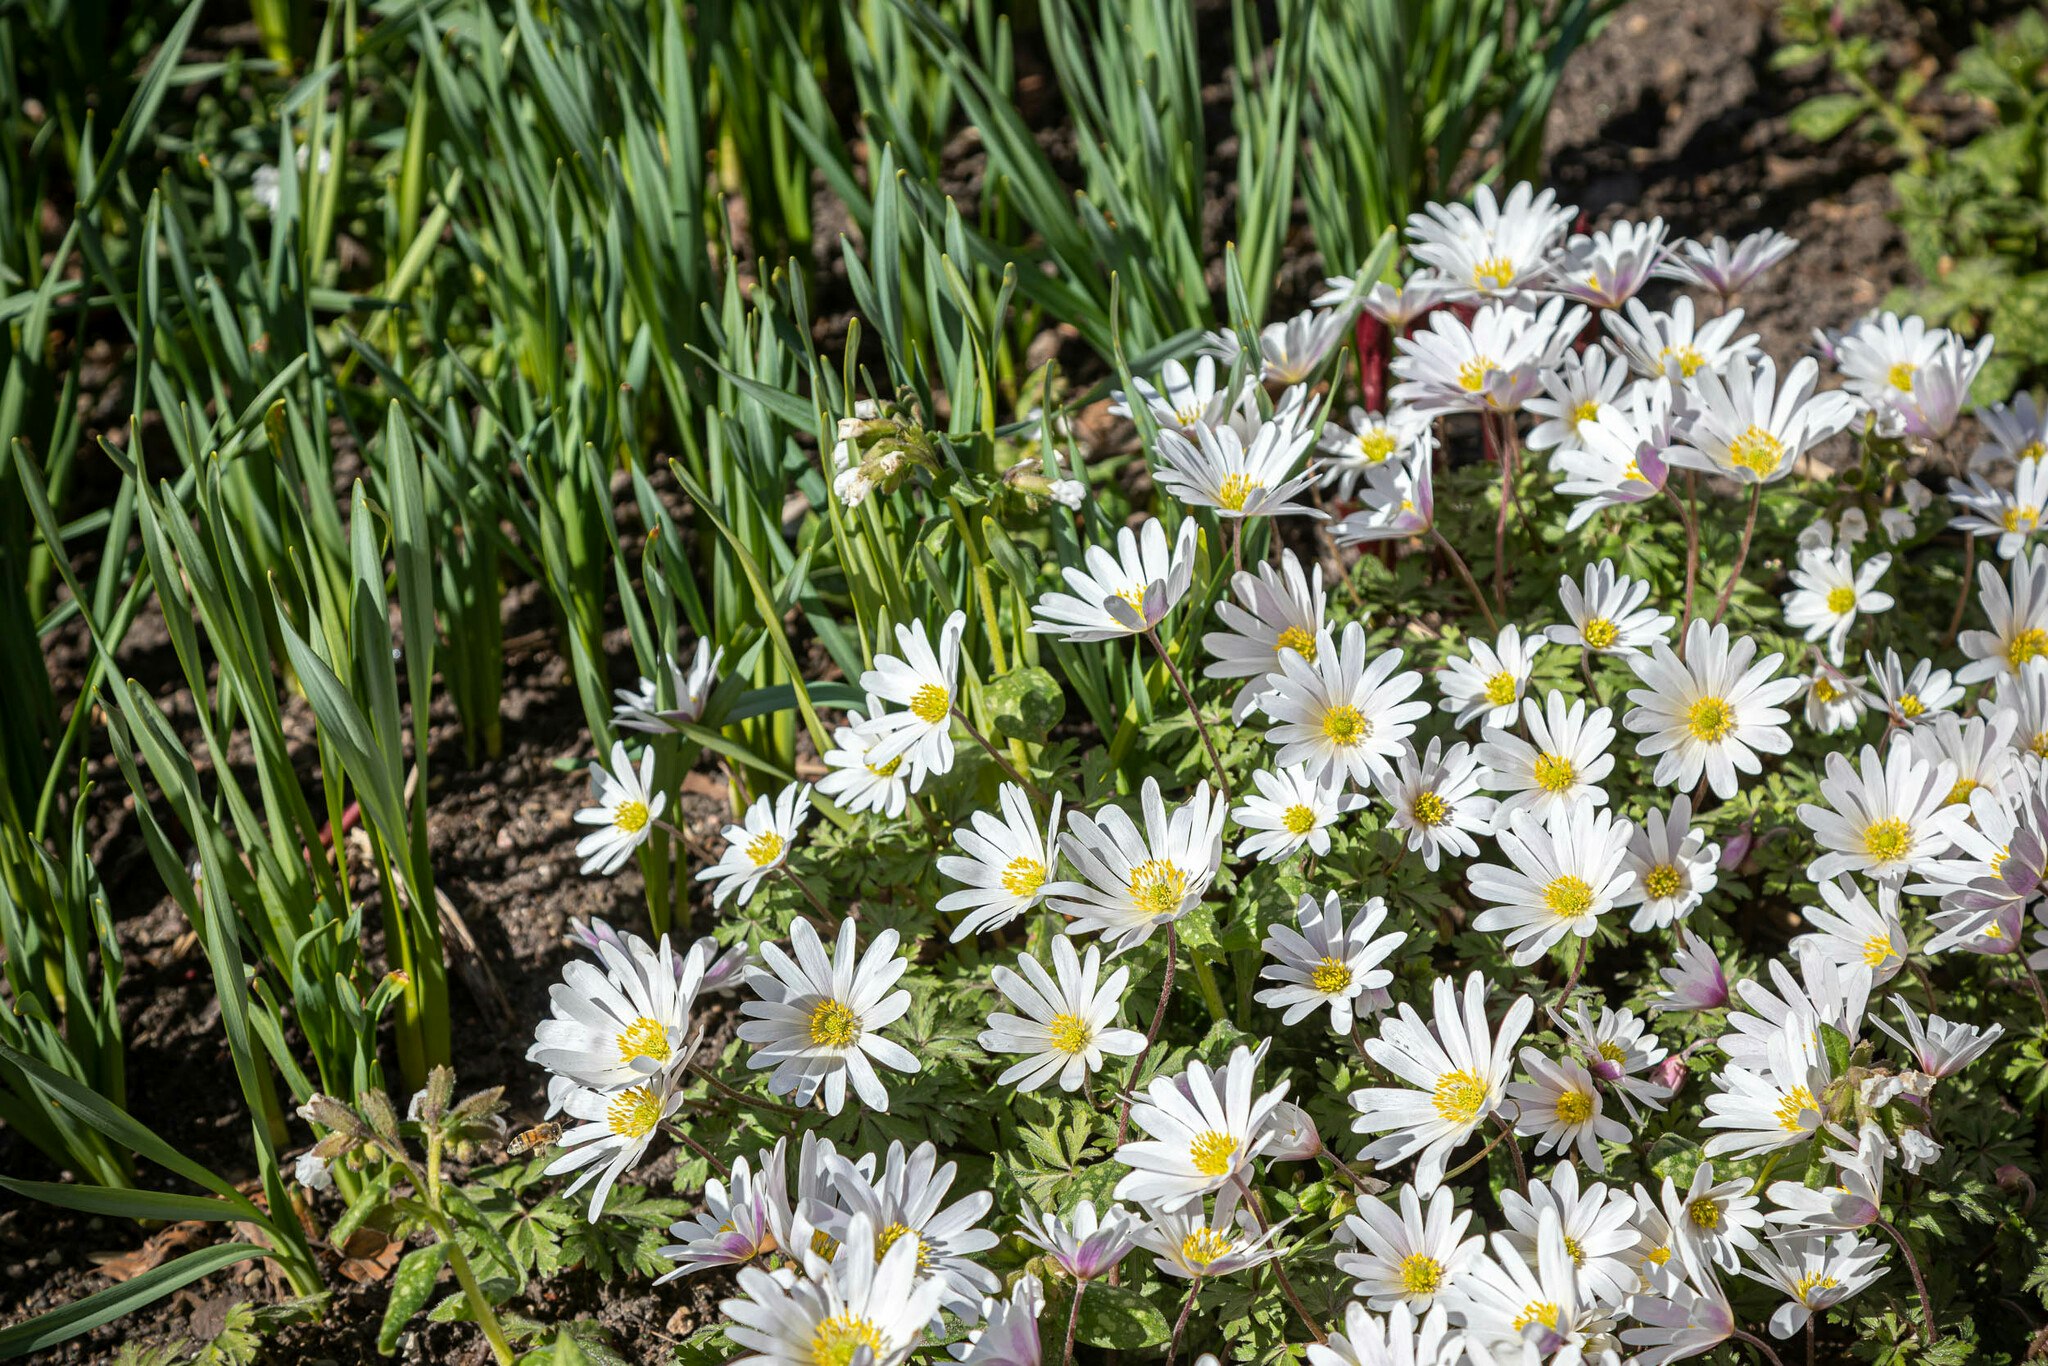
(1674, 111)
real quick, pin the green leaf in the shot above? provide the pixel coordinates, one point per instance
(1825, 117)
(82, 1316)
(1838, 1048)
(126, 1204)
(1114, 1316)
(1025, 704)
(411, 1286)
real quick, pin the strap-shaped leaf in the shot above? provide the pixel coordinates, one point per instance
(82, 1316)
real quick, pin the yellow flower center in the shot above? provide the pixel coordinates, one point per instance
(886, 1239)
(1688, 357)
(1344, 724)
(1210, 1153)
(1634, 471)
(634, 1112)
(1299, 819)
(1887, 840)
(1568, 896)
(1472, 375)
(1537, 1311)
(1611, 1051)
(1841, 599)
(1501, 689)
(1298, 640)
(2019, 519)
(1663, 881)
(644, 1038)
(2031, 643)
(1876, 949)
(1961, 791)
(1757, 451)
(1585, 412)
(930, 703)
(1574, 1250)
(2033, 450)
(1376, 445)
(1236, 488)
(765, 848)
(1600, 633)
(1910, 705)
(1704, 1213)
(630, 816)
(1158, 887)
(834, 1025)
(1330, 976)
(1069, 1034)
(2038, 746)
(1495, 272)
(1204, 1246)
(1574, 1107)
(1430, 809)
(1420, 1273)
(1023, 876)
(1136, 598)
(1459, 1097)
(1825, 690)
(1555, 773)
(887, 770)
(1657, 1256)
(1812, 1281)
(835, 1340)
(1796, 1102)
(1710, 719)
(1900, 377)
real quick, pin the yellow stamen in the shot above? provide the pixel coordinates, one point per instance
(1430, 809)
(1555, 773)
(644, 1038)
(1345, 725)
(1023, 876)
(1330, 976)
(1568, 896)
(834, 1025)
(1211, 1152)
(1069, 1034)
(1600, 633)
(1459, 1097)
(1887, 840)
(836, 1340)
(765, 848)
(1298, 640)
(1757, 451)
(1158, 887)
(930, 703)
(633, 1113)
(1710, 719)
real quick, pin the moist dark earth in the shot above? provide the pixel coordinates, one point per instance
(1674, 110)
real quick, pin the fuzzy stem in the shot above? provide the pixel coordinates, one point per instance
(1761, 1346)
(1180, 1324)
(1123, 1122)
(1037, 792)
(698, 1069)
(1579, 966)
(1692, 557)
(1919, 1284)
(1201, 726)
(811, 895)
(1955, 620)
(1471, 584)
(1514, 1151)
(1073, 1322)
(1756, 494)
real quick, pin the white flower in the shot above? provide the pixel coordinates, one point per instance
(1911, 697)
(640, 708)
(310, 1170)
(1559, 766)
(1823, 993)
(1495, 364)
(1437, 801)
(1206, 1128)
(1695, 979)
(1010, 1335)
(1327, 963)
(904, 1201)
(1219, 469)
(1607, 613)
(627, 808)
(1276, 609)
(622, 1023)
(1179, 401)
(2018, 431)
(1834, 701)
(1678, 1320)
(1561, 1107)
(1622, 461)
(1915, 377)
(1609, 268)
(1289, 810)
(1598, 1226)
(1580, 391)
(1397, 1340)
(1615, 1049)
(1006, 864)
(2022, 707)
(1886, 820)
(1490, 683)
(1828, 593)
(1564, 874)
(858, 781)
(1671, 867)
(758, 845)
(1667, 345)
(1290, 352)
(1193, 1246)
(1855, 1201)
(816, 1018)
(1719, 1220)
(2019, 619)
(860, 1304)
(617, 1127)
(1340, 715)
(1135, 881)
(1726, 270)
(1940, 1048)
(1751, 429)
(1124, 594)
(1849, 929)
(1369, 441)
(735, 1225)
(2014, 515)
(1771, 1106)
(1084, 1246)
(1400, 305)
(1515, 1312)
(1399, 497)
(1410, 1257)
(1490, 249)
(1816, 1273)
(1460, 1069)
(1070, 1024)
(1711, 712)
(922, 682)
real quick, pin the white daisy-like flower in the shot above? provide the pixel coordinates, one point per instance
(817, 1020)
(2022, 700)
(1678, 1319)
(1341, 715)
(1726, 270)
(1913, 696)
(1598, 1222)
(1580, 391)
(1513, 1311)
(1829, 591)
(1669, 346)
(1123, 594)
(1291, 810)
(1328, 963)
(1561, 1107)
(1369, 440)
(922, 683)
(1621, 462)
(1069, 1022)
(1606, 613)
(1671, 867)
(857, 780)
(2019, 619)
(1824, 993)
(1815, 1273)
(1277, 608)
(2016, 430)
(1134, 881)
(1616, 1049)
(1009, 1334)
(1179, 400)
(1397, 1340)
(1609, 268)
(640, 707)
(1206, 1127)
(1916, 378)
(1192, 1246)
(1752, 429)
(1996, 869)
(1885, 818)
(1835, 702)
(1438, 805)
(1494, 364)
(1771, 1106)
(1410, 1256)
(1563, 874)
(734, 1226)
(1492, 248)
(1458, 1069)
(1854, 1201)
(864, 1303)
(1400, 305)
(1711, 712)
(1559, 766)
(1489, 685)
(1085, 1245)
(1399, 498)
(905, 1201)
(1006, 864)
(1981, 750)
(1694, 981)
(624, 1022)
(618, 1125)
(2013, 514)
(1719, 1220)
(1940, 1048)
(1291, 352)
(627, 806)
(758, 845)
(1215, 468)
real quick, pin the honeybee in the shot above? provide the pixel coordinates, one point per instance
(539, 1136)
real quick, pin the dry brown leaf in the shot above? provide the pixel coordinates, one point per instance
(154, 1252)
(368, 1256)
